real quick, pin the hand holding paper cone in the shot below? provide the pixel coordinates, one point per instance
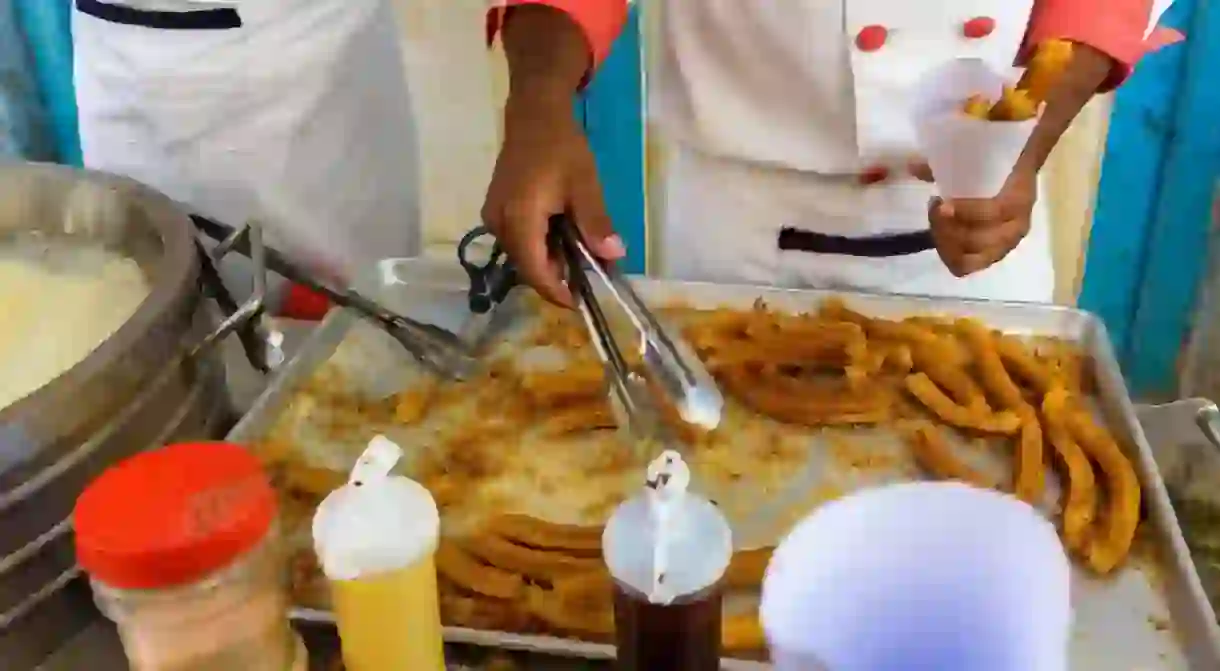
(973, 124)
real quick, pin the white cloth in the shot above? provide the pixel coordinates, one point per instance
(774, 110)
(299, 118)
(723, 217)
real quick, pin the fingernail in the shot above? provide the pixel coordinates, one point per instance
(613, 246)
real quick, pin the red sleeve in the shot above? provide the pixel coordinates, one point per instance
(601, 20)
(1113, 27)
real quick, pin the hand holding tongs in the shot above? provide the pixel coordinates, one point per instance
(437, 349)
(674, 370)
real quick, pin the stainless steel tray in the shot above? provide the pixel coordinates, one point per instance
(1152, 615)
(1186, 443)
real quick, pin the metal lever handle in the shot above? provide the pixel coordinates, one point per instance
(433, 346)
(262, 344)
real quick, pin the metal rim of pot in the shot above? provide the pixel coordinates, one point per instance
(177, 274)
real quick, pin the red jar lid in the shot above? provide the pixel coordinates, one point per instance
(172, 516)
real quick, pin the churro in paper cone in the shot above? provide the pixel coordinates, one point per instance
(970, 157)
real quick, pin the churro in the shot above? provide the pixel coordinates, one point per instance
(457, 566)
(529, 562)
(1080, 504)
(933, 454)
(550, 608)
(1029, 479)
(936, 360)
(588, 416)
(926, 392)
(742, 633)
(805, 402)
(1045, 68)
(747, 568)
(1022, 363)
(996, 382)
(543, 535)
(1110, 542)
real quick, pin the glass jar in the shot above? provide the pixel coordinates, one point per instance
(183, 552)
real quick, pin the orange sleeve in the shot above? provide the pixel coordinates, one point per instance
(601, 20)
(1113, 27)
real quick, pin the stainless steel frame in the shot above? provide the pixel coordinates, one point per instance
(415, 286)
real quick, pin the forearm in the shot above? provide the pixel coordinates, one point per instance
(1084, 76)
(547, 52)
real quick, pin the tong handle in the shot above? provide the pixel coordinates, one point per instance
(490, 281)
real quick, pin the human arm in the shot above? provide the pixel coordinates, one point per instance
(545, 166)
(1108, 38)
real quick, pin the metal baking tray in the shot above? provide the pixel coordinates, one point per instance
(1153, 614)
(1185, 440)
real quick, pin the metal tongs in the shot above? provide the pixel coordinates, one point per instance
(671, 368)
(441, 351)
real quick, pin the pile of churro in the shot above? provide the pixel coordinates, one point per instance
(939, 383)
(1022, 101)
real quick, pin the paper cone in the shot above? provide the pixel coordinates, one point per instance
(969, 157)
(920, 576)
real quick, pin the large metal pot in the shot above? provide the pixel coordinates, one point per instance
(136, 391)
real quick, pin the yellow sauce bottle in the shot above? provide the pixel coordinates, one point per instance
(375, 538)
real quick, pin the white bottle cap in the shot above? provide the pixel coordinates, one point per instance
(920, 576)
(667, 543)
(377, 522)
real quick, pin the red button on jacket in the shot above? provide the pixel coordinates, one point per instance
(871, 38)
(978, 27)
(874, 175)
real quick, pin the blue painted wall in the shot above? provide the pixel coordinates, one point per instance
(48, 31)
(613, 107)
(1148, 245)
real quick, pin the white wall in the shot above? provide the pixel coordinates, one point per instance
(458, 88)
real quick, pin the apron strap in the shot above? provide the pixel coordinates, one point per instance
(220, 18)
(878, 246)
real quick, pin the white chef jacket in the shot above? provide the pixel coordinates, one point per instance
(770, 113)
(293, 112)
(773, 111)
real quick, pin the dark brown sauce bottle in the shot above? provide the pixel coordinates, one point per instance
(681, 636)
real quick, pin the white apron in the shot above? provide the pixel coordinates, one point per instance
(774, 110)
(298, 117)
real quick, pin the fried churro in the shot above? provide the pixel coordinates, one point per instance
(543, 535)
(742, 633)
(1022, 363)
(1014, 105)
(582, 418)
(529, 562)
(936, 360)
(1029, 479)
(747, 568)
(1080, 505)
(457, 566)
(575, 383)
(460, 610)
(805, 402)
(1022, 101)
(1110, 542)
(548, 606)
(933, 454)
(1045, 68)
(996, 382)
(926, 392)
(883, 329)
